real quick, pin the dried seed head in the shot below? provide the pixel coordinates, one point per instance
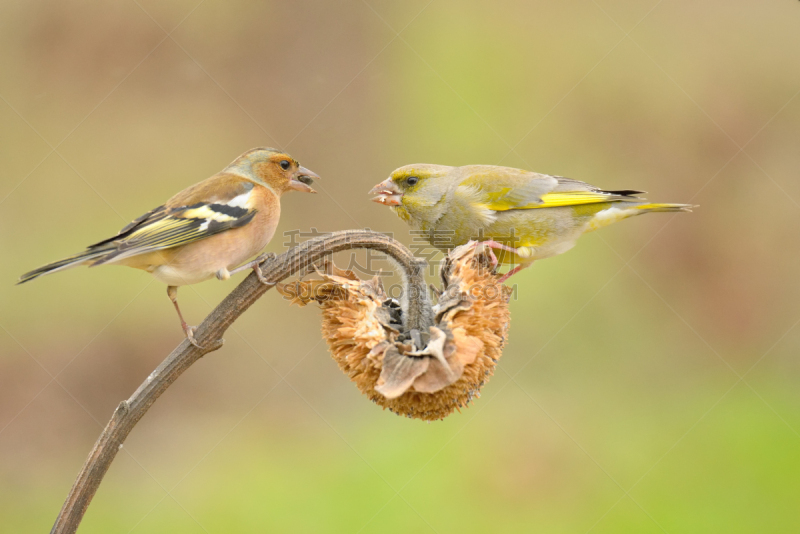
(363, 329)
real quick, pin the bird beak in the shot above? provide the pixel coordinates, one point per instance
(302, 180)
(388, 193)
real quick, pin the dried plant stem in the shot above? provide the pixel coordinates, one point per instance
(209, 336)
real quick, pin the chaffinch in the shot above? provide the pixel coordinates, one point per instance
(206, 230)
(524, 215)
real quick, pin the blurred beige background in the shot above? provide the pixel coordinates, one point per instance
(650, 382)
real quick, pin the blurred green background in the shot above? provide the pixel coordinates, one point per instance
(650, 381)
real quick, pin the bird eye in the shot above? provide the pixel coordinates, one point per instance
(285, 165)
(412, 180)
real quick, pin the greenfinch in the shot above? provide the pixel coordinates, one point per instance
(525, 216)
(205, 230)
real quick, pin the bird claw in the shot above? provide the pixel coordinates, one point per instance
(489, 246)
(480, 247)
(189, 331)
(257, 268)
(493, 257)
(267, 256)
(261, 277)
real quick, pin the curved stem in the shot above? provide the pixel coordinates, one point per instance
(209, 337)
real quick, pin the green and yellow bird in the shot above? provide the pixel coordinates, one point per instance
(524, 215)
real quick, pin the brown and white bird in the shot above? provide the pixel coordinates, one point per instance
(206, 230)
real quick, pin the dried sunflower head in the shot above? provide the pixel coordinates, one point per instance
(396, 369)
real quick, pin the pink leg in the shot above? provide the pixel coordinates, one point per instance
(256, 266)
(500, 246)
(513, 271)
(172, 293)
(494, 244)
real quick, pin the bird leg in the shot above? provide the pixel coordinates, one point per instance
(492, 245)
(513, 271)
(172, 293)
(256, 266)
(524, 252)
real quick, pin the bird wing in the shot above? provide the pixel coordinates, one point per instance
(185, 218)
(504, 188)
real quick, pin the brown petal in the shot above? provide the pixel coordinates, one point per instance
(399, 372)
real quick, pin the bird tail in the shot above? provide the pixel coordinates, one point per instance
(614, 214)
(665, 207)
(66, 263)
